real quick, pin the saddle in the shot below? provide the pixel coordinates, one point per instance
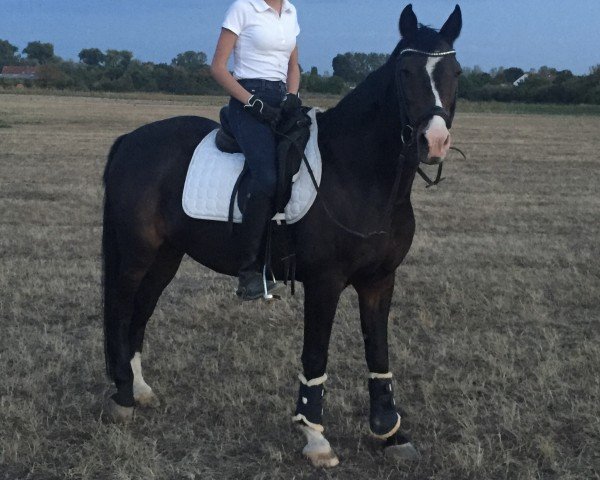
(292, 133)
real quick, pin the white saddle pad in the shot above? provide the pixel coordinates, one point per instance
(212, 175)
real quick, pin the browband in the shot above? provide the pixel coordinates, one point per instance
(427, 54)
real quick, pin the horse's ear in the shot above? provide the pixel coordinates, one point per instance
(451, 29)
(408, 23)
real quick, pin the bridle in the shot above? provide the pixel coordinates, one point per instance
(409, 127)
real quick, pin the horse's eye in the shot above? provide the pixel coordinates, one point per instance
(405, 71)
(458, 73)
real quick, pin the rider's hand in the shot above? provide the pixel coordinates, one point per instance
(291, 103)
(262, 111)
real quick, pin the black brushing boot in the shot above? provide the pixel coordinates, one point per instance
(256, 217)
(384, 419)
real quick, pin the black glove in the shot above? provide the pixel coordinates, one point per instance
(262, 111)
(291, 103)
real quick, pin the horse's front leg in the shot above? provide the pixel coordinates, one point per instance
(375, 297)
(321, 297)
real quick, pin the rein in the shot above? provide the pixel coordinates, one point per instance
(390, 203)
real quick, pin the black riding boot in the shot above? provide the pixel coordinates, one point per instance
(256, 217)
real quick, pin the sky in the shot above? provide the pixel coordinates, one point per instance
(521, 33)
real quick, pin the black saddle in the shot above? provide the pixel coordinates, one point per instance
(225, 140)
(292, 136)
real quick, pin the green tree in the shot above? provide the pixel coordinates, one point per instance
(38, 52)
(92, 56)
(354, 67)
(512, 74)
(52, 76)
(190, 60)
(116, 62)
(8, 53)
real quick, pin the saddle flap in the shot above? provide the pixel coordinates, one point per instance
(225, 141)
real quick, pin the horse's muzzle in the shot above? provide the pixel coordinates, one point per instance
(437, 139)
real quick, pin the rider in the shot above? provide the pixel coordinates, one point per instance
(266, 78)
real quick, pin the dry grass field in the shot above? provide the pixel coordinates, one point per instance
(494, 332)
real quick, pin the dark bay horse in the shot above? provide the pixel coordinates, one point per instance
(371, 144)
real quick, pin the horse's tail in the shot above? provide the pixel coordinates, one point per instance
(111, 154)
(110, 271)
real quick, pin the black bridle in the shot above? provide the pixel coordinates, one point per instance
(410, 127)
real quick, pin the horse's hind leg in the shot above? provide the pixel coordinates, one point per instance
(154, 282)
(127, 259)
(117, 331)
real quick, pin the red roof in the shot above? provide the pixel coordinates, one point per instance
(16, 70)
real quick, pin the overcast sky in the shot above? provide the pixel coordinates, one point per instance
(522, 33)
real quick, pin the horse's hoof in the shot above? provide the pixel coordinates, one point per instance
(116, 413)
(404, 452)
(147, 400)
(323, 459)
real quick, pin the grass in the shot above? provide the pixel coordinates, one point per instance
(494, 334)
(323, 100)
(529, 108)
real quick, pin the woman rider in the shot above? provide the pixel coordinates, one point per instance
(266, 77)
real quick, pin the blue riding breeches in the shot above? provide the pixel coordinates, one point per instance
(256, 139)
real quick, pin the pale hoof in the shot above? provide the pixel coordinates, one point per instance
(116, 413)
(404, 452)
(147, 400)
(323, 459)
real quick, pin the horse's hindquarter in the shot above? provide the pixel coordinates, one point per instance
(155, 155)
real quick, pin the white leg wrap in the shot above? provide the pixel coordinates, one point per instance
(374, 376)
(140, 387)
(315, 381)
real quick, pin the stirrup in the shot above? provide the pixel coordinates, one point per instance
(266, 291)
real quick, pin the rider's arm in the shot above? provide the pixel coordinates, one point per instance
(293, 76)
(218, 67)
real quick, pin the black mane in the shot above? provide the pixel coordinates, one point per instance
(363, 103)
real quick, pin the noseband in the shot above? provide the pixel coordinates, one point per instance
(409, 127)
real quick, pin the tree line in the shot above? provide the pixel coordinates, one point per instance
(188, 73)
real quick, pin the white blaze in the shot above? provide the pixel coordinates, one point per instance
(430, 67)
(436, 133)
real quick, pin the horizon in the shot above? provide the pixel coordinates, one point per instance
(497, 38)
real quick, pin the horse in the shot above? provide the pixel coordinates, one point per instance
(357, 232)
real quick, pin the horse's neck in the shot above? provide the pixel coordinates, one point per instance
(362, 136)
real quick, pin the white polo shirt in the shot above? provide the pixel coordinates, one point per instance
(265, 39)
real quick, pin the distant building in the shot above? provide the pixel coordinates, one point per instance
(19, 73)
(521, 79)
